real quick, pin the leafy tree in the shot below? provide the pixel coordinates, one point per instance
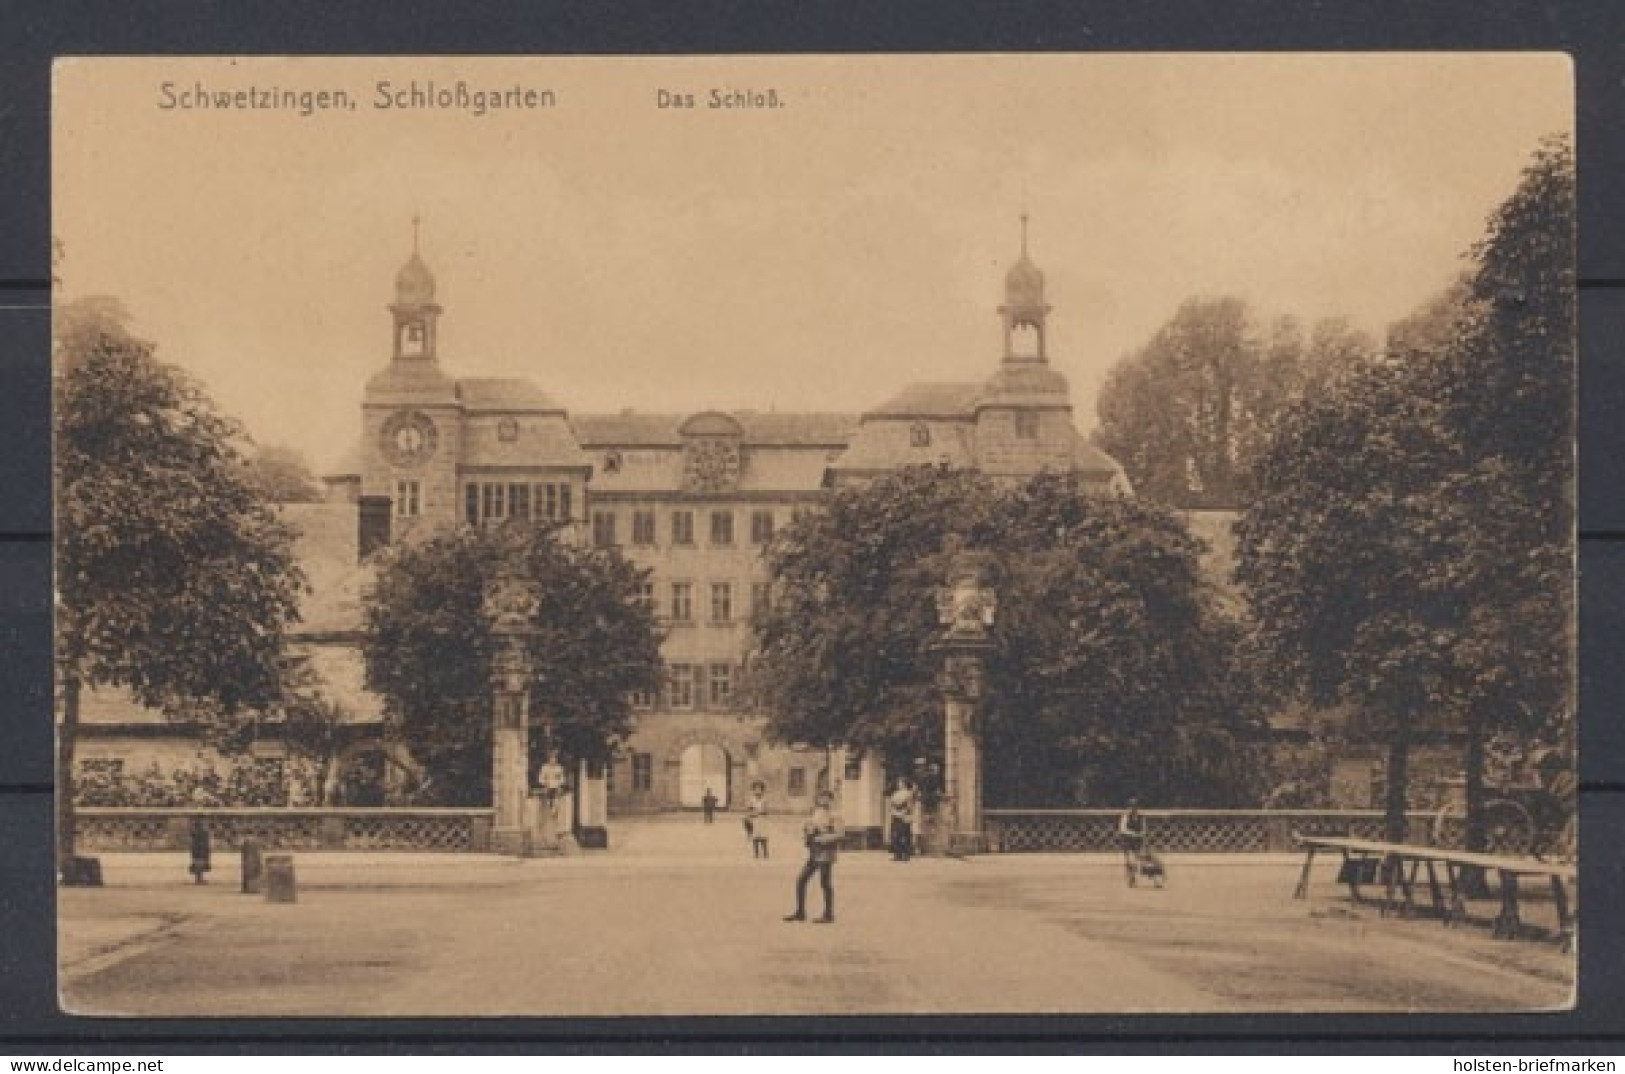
(1187, 413)
(173, 580)
(311, 724)
(1107, 653)
(283, 475)
(843, 651)
(1410, 548)
(429, 650)
(1345, 558)
(1112, 660)
(1508, 397)
(1431, 329)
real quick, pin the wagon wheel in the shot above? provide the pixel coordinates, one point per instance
(1508, 827)
(1565, 845)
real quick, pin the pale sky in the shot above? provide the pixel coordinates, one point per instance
(818, 256)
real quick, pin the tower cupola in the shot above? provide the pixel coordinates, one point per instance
(1024, 310)
(414, 309)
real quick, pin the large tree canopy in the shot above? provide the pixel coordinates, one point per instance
(283, 475)
(173, 579)
(1109, 658)
(1188, 412)
(1410, 546)
(429, 649)
(1115, 673)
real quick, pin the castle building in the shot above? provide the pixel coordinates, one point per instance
(694, 498)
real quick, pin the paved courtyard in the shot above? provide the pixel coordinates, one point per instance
(678, 919)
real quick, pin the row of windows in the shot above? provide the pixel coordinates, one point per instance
(692, 685)
(492, 501)
(681, 529)
(680, 608)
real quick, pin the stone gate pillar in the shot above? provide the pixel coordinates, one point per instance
(510, 753)
(510, 605)
(966, 608)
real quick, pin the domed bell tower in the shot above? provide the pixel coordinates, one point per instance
(1024, 310)
(414, 309)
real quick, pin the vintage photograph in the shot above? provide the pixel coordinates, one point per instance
(815, 535)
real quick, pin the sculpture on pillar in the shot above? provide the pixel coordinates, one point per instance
(966, 608)
(967, 604)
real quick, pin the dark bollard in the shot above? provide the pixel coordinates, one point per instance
(82, 872)
(253, 867)
(201, 850)
(279, 885)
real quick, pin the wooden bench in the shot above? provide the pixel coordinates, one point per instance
(1400, 866)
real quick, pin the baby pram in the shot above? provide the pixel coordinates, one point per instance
(1142, 863)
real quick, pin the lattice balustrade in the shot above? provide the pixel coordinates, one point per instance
(409, 831)
(1198, 831)
(1051, 832)
(296, 832)
(112, 829)
(1207, 834)
(140, 832)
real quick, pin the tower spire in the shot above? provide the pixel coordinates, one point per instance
(416, 220)
(414, 308)
(1024, 308)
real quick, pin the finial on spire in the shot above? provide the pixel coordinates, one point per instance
(1023, 232)
(416, 220)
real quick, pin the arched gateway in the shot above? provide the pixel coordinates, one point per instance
(704, 767)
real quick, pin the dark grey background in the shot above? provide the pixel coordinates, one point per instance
(32, 32)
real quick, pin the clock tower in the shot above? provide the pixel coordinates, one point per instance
(411, 416)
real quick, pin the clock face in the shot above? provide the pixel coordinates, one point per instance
(713, 465)
(409, 438)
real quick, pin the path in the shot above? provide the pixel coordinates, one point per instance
(679, 920)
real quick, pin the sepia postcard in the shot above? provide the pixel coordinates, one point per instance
(815, 535)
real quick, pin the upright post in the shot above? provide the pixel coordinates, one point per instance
(510, 604)
(965, 607)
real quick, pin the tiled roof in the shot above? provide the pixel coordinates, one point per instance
(542, 440)
(627, 429)
(503, 393)
(930, 400)
(634, 429)
(400, 383)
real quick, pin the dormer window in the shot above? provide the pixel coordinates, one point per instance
(919, 435)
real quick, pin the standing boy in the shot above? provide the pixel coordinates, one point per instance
(823, 836)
